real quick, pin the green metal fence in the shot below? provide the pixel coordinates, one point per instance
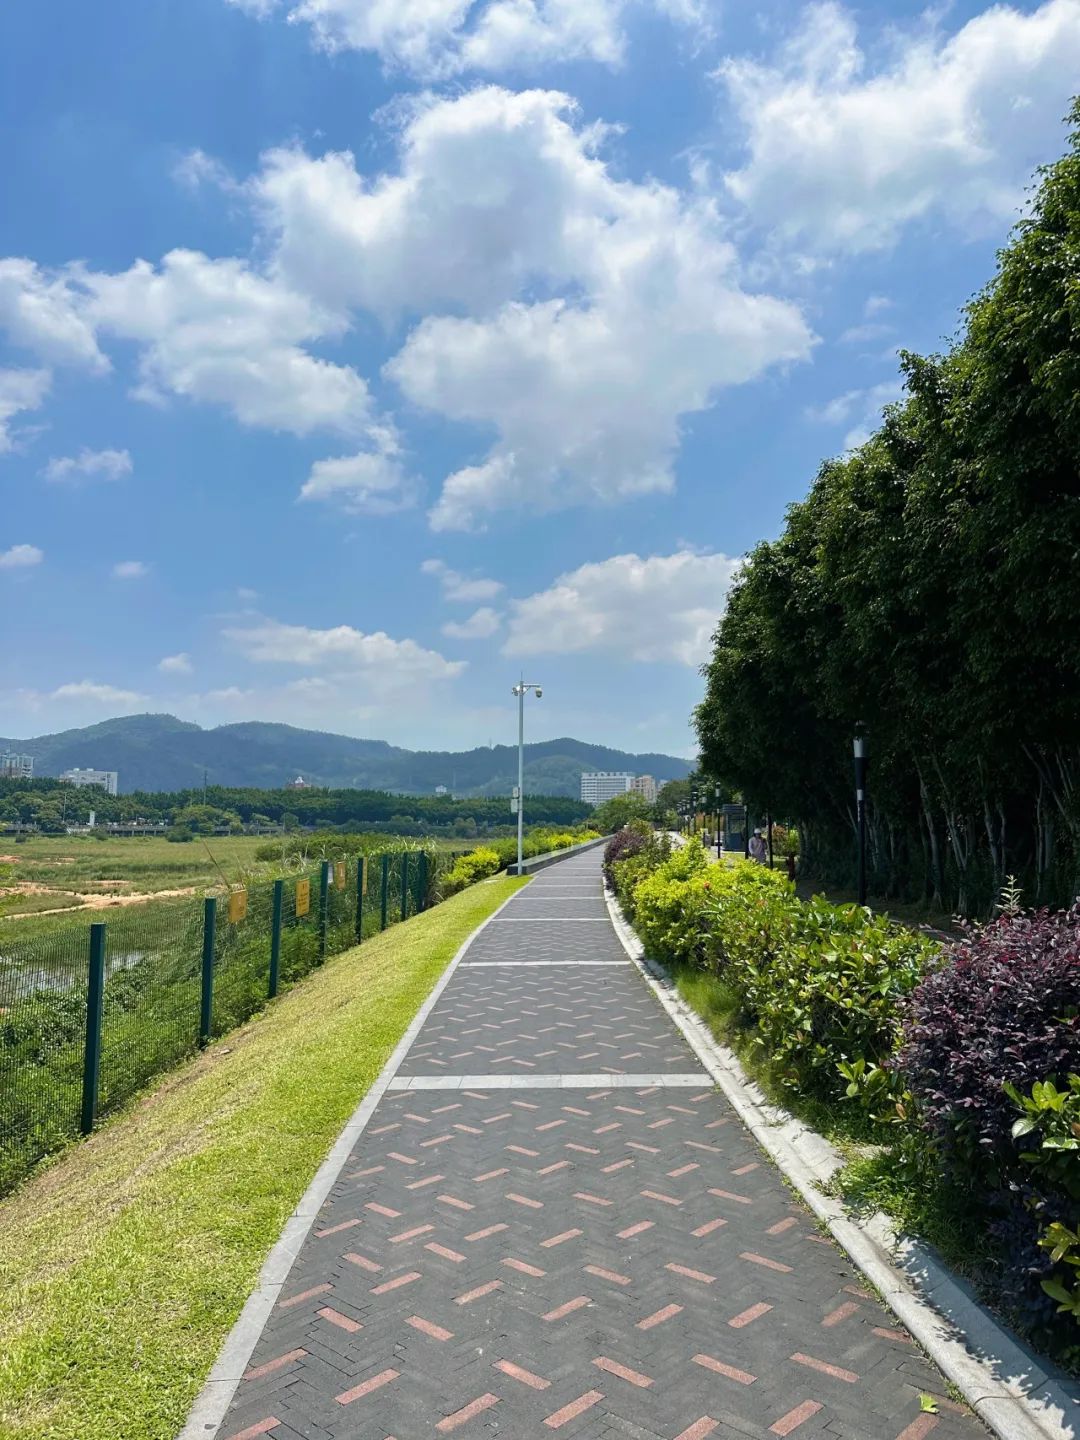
(90, 1014)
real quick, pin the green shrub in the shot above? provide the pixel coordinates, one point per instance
(1050, 1120)
(539, 842)
(819, 984)
(669, 901)
(468, 869)
(825, 986)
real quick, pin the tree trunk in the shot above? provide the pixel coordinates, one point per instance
(937, 878)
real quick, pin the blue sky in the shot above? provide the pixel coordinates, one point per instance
(355, 354)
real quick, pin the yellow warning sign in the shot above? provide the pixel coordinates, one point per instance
(303, 896)
(339, 875)
(237, 905)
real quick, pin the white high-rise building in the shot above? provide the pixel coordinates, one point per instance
(16, 767)
(603, 785)
(645, 785)
(107, 780)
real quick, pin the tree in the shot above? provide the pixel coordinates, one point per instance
(206, 819)
(672, 794)
(613, 814)
(928, 587)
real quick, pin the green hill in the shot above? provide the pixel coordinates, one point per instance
(160, 752)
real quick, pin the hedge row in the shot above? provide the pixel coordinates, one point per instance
(962, 1058)
(489, 859)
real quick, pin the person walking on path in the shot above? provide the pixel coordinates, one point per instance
(758, 849)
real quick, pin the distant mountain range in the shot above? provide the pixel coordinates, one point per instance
(160, 752)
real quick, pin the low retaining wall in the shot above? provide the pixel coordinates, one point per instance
(541, 862)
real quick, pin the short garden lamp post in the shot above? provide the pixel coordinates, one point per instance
(859, 747)
(520, 690)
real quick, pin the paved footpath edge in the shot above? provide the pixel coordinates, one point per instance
(210, 1407)
(1017, 1395)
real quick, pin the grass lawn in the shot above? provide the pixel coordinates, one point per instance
(56, 881)
(132, 864)
(124, 1265)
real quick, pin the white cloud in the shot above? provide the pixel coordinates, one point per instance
(480, 625)
(439, 38)
(862, 334)
(228, 695)
(380, 664)
(196, 168)
(212, 330)
(47, 314)
(459, 587)
(217, 332)
(176, 664)
(370, 483)
(130, 570)
(654, 608)
(89, 465)
(21, 557)
(862, 406)
(19, 390)
(843, 153)
(500, 196)
(90, 690)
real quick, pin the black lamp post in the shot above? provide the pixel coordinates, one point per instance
(719, 841)
(859, 747)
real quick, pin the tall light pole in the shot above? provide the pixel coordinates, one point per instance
(520, 690)
(859, 748)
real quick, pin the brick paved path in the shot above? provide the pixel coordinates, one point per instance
(554, 1225)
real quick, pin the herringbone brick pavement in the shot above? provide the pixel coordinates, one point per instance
(617, 1261)
(577, 1019)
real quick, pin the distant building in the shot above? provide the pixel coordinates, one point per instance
(441, 790)
(645, 785)
(298, 784)
(16, 767)
(603, 785)
(107, 780)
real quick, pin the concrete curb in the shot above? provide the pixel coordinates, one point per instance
(541, 862)
(206, 1415)
(1018, 1395)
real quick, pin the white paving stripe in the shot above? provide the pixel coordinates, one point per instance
(551, 920)
(698, 1080)
(501, 964)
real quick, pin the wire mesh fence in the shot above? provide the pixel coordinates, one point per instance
(90, 1014)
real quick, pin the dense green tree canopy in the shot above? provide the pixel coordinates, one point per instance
(613, 814)
(929, 587)
(22, 800)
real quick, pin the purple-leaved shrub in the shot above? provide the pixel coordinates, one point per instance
(621, 846)
(1006, 1007)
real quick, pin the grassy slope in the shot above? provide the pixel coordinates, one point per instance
(124, 1265)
